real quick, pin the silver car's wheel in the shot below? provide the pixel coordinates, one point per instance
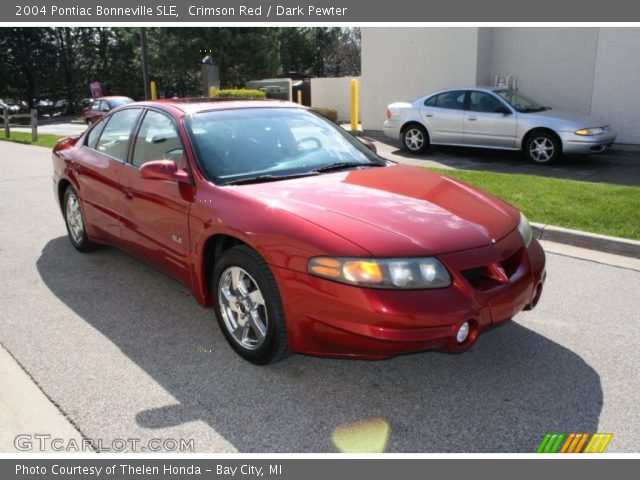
(243, 308)
(542, 148)
(248, 306)
(415, 139)
(74, 221)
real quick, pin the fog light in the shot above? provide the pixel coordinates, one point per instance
(463, 332)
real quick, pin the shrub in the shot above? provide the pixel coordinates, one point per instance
(240, 93)
(328, 113)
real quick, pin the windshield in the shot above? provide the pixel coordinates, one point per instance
(272, 143)
(118, 102)
(520, 102)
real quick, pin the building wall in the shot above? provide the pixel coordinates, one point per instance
(588, 70)
(333, 93)
(402, 64)
(616, 86)
(554, 65)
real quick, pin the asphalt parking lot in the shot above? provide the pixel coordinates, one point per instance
(124, 351)
(619, 166)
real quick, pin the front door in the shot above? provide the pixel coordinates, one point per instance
(155, 213)
(485, 127)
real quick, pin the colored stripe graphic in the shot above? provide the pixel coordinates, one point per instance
(574, 443)
(550, 443)
(598, 443)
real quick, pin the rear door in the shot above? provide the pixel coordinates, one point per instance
(97, 168)
(444, 116)
(155, 213)
(485, 127)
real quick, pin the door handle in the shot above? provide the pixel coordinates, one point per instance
(429, 114)
(472, 119)
(128, 193)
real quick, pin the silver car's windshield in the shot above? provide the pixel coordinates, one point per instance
(248, 145)
(521, 102)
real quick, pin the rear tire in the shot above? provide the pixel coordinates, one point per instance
(415, 139)
(248, 306)
(74, 221)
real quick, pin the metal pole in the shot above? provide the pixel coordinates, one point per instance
(7, 133)
(145, 63)
(354, 105)
(34, 125)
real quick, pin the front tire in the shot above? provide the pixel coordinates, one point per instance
(248, 306)
(415, 139)
(542, 148)
(74, 221)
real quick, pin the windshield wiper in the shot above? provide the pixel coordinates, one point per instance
(332, 167)
(266, 178)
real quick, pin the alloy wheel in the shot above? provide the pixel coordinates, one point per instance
(74, 218)
(243, 308)
(414, 139)
(541, 149)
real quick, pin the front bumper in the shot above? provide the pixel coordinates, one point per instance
(573, 144)
(331, 319)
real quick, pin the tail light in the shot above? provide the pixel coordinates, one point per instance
(388, 114)
(65, 143)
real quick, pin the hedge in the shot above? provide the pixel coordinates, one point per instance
(240, 93)
(328, 113)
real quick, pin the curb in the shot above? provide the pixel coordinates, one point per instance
(592, 241)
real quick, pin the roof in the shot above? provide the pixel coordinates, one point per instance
(195, 105)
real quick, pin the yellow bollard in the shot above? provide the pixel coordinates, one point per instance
(154, 91)
(299, 97)
(354, 105)
(212, 91)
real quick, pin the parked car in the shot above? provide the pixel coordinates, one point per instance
(100, 106)
(8, 105)
(495, 117)
(298, 235)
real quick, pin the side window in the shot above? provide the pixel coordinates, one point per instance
(157, 140)
(94, 134)
(483, 102)
(104, 106)
(451, 100)
(95, 106)
(114, 140)
(431, 101)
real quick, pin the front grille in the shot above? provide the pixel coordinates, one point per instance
(486, 277)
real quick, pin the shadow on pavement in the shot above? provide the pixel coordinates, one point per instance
(620, 167)
(501, 396)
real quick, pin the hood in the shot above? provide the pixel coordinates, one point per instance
(393, 211)
(575, 119)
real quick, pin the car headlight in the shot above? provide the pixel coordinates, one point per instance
(525, 230)
(390, 273)
(587, 132)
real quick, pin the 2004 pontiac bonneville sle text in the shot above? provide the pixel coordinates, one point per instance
(298, 234)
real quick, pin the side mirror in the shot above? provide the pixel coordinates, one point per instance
(502, 109)
(368, 143)
(163, 170)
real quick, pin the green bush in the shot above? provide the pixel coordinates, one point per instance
(328, 113)
(240, 93)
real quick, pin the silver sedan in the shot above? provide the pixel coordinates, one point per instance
(495, 117)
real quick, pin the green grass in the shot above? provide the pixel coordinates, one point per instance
(593, 207)
(44, 140)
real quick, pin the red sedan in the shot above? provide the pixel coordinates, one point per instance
(299, 236)
(101, 106)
